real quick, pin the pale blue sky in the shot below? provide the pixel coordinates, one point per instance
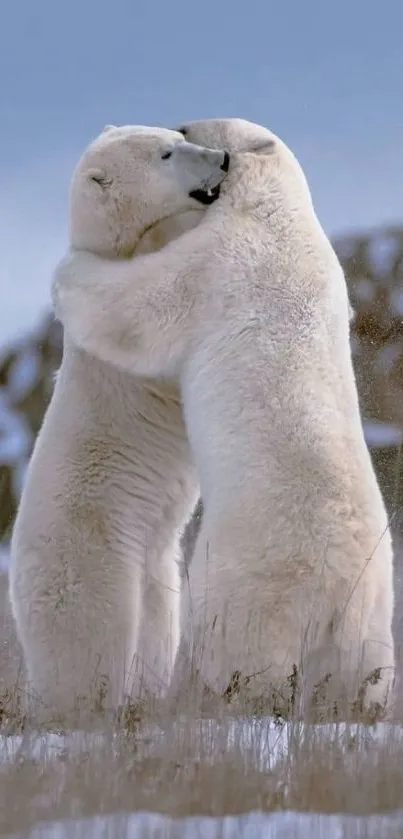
(328, 77)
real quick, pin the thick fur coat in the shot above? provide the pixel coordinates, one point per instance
(94, 578)
(249, 311)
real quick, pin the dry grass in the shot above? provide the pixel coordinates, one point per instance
(192, 767)
(149, 761)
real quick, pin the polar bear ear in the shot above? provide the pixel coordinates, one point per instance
(99, 177)
(108, 128)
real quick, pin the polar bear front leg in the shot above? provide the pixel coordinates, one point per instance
(128, 313)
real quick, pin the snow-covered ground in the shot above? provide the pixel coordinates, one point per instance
(280, 825)
(268, 741)
(265, 739)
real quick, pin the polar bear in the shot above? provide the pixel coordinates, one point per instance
(94, 580)
(292, 571)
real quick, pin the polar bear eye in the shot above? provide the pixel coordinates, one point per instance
(99, 176)
(99, 180)
(166, 155)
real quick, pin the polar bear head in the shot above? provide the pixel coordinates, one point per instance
(132, 177)
(240, 136)
(236, 135)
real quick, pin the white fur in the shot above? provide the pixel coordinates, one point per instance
(294, 561)
(94, 578)
(111, 481)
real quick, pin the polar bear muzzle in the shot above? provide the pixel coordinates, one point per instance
(208, 195)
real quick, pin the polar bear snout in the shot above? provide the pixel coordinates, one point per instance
(203, 170)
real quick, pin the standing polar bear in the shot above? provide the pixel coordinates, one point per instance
(293, 565)
(94, 578)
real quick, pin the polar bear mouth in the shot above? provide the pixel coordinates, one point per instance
(206, 196)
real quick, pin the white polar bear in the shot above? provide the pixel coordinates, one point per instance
(293, 565)
(94, 578)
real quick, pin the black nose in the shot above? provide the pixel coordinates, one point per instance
(225, 166)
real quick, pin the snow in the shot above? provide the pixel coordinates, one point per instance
(4, 559)
(15, 440)
(279, 825)
(263, 738)
(381, 434)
